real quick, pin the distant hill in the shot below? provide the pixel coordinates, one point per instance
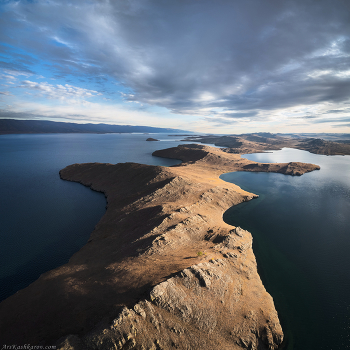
(14, 126)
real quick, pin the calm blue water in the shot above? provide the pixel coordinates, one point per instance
(300, 225)
(301, 234)
(45, 220)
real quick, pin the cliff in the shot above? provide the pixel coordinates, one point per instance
(161, 269)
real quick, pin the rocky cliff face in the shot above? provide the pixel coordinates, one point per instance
(161, 270)
(216, 304)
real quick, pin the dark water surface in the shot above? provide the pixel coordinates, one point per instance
(300, 225)
(301, 235)
(45, 220)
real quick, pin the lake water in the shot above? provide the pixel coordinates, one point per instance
(301, 239)
(300, 225)
(45, 220)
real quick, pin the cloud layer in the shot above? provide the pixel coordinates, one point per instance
(222, 60)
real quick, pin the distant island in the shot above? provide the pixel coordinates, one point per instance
(152, 139)
(161, 269)
(14, 126)
(327, 144)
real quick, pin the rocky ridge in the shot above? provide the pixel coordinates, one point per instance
(161, 270)
(204, 156)
(199, 308)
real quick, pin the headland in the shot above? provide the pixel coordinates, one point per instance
(161, 269)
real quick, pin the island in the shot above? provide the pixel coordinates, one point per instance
(161, 269)
(151, 139)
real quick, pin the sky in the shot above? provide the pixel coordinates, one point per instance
(209, 66)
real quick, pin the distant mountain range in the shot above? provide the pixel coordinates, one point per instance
(14, 126)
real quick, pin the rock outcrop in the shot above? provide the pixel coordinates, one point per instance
(161, 270)
(199, 308)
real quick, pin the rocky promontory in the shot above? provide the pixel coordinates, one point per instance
(221, 160)
(161, 269)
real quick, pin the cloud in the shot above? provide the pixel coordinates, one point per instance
(191, 57)
(5, 114)
(219, 121)
(85, 112)
(343, 125)
(13, 74)
(333, 120)
(237, 115)
(309, 117)
(59, 91)
(333, 111)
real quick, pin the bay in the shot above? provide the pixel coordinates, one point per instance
(45, 220)
(301, 239)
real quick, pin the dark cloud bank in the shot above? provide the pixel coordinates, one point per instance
(240, 57)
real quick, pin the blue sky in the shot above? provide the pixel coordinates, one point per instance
(208, 66)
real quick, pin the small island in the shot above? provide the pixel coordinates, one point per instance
(161, 269)
(151, 139)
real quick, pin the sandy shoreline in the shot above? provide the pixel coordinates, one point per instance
(162, 237)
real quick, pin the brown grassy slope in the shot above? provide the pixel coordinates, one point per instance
(210, 160)
(319, 146)
(248, 143)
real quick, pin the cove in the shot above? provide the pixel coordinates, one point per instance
(45, 220)
(301, 240)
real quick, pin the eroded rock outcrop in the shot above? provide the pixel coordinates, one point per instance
(202, 307)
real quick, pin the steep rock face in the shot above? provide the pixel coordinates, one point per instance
(161, 243)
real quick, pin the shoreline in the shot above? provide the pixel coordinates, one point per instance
(261, 142)
(170, 215)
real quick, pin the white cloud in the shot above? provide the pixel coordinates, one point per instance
(92, 112)
(191, 57)
(60, 92)
(13, 74)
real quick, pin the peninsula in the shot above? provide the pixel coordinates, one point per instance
(161, 269)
